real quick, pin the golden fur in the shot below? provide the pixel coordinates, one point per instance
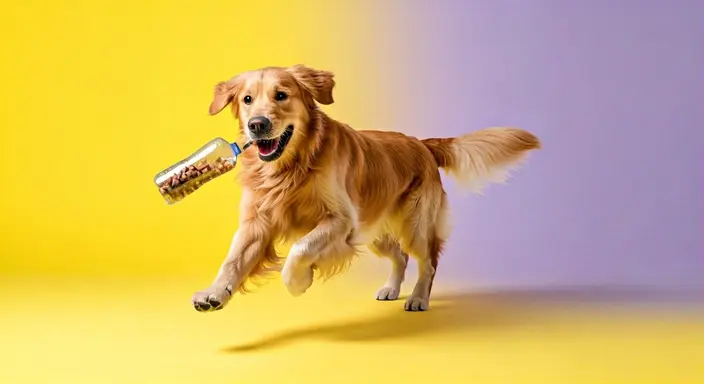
(335, 189)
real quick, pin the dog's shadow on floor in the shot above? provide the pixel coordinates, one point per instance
(447, 312)
(466, 312)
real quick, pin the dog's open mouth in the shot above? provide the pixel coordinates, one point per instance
(271, 149)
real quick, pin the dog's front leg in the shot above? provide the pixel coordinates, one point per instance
(248, 247)
(297, 273)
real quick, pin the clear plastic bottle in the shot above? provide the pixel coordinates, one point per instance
(214, 159)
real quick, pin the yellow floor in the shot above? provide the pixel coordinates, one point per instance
(139, 331)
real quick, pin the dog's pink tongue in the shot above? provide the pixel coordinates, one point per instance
(267, 147)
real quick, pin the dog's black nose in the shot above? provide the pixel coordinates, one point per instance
(259, 125)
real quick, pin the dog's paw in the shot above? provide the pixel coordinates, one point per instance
(387, 293)
(415, 304)
(297, 279)
(212, 299)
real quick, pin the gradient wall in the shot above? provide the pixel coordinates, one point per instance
(613, 88)
(96, 271)
(99, 97)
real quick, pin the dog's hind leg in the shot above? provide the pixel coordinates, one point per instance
(420, 297)
(425, 231)
(390, 248)
(427, 259)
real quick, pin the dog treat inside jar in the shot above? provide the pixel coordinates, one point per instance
(214, 159)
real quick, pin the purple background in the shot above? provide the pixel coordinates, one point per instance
(615, 91)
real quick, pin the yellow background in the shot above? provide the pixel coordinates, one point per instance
(100, 96)
(96, 272)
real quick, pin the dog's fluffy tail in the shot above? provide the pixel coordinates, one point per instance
(482, 157)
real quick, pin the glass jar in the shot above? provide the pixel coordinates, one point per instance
(214, 159)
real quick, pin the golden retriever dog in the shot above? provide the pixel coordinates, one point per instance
(332, 191)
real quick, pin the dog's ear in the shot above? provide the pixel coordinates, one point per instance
(225, 91)
(318, 84)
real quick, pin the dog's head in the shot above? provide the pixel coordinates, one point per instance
(274, 105)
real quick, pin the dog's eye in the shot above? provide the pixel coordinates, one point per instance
(280, 96)
(248, 100)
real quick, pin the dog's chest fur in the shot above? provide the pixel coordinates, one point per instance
(295, 207)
